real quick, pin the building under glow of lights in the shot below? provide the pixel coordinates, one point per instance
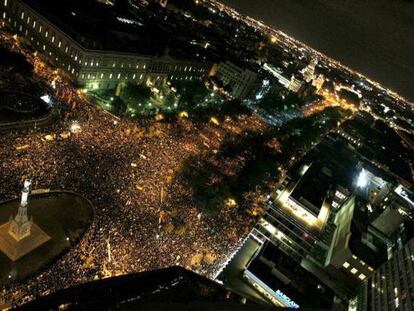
(328, 215)
(309, 71)
(297, 220)
(291, 84)
(391, 287)
(86, 60)
(238, 79)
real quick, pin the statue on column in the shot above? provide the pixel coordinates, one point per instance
(21, 225)
(20, 235)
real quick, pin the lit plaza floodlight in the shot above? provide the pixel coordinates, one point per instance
(362, 179)
(75, 127)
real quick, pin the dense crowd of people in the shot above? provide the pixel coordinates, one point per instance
(146, 216)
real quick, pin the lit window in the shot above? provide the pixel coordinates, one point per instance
(34, 24)
(102, 75)
(5, 2)
(354, 271)
(362, 276)
(346, 265)
(22, 16)
(119, 76)
(40, 28)
(110, 76)
(46, 34)
(59, 44)
(53, 39)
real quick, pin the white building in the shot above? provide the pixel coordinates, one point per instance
(291, 84)
(240, 80)
(309, 71)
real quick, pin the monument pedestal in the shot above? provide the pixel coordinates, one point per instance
(16, 249)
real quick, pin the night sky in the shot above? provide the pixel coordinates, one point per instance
(376, 37)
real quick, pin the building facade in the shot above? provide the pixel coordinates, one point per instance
(292, 84)
(391, 287)
(296, 223)
(91, 68)
(239, 80)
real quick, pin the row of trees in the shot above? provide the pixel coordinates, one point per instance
(263, 154)
(191, 96)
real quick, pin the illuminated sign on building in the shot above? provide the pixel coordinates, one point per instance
(286, 299)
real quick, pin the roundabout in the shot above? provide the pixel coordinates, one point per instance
(22, 110)
(57, 220)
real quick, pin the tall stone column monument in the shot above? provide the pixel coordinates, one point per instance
(21, 235)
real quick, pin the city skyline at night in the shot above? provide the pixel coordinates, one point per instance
(151, 134)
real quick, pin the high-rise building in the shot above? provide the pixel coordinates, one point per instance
(297, 219)
(391, 287)
(318, 216)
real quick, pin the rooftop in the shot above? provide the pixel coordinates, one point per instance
(98, 26)
(301, 283)
(172, 288)
(313, 187)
